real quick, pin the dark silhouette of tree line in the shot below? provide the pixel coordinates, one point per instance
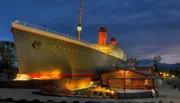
(174, 71)
(156, 60)
(7, 58)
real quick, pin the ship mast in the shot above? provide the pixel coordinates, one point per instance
(79, 27)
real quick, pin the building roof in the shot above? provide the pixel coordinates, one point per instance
(144, 65)
(134, 65)
(125, 65)
(144, 72)
(149, 77)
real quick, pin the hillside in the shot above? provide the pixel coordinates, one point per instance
(161, 66)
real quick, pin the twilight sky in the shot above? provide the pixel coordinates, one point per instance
(143, 28)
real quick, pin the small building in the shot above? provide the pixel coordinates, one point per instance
(130, 76)
(131, 61)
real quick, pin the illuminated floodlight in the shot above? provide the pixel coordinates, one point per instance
(112, 91)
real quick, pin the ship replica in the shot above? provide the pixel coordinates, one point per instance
(46, 53)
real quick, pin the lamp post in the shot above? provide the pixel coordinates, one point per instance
(123, 72)
(124, 81)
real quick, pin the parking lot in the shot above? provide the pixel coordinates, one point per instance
(166, 93)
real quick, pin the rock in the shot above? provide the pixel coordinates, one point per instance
(49, 90)
(66, 91)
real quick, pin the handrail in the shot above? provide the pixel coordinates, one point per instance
(48, 30)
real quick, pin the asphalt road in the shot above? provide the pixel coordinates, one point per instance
(166, 95)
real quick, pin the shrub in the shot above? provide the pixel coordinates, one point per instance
(65, 91)
(49, 89)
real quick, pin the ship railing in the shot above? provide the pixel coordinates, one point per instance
(48, 30)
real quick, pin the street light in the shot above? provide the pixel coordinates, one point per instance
(125, 71)
(124, 81)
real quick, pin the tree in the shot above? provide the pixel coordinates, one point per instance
(7, 55)
(157, 59)
(171, 71)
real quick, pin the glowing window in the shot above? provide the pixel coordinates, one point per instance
(128, 81)
(146, 82)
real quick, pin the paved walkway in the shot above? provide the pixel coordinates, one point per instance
(166, 95)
